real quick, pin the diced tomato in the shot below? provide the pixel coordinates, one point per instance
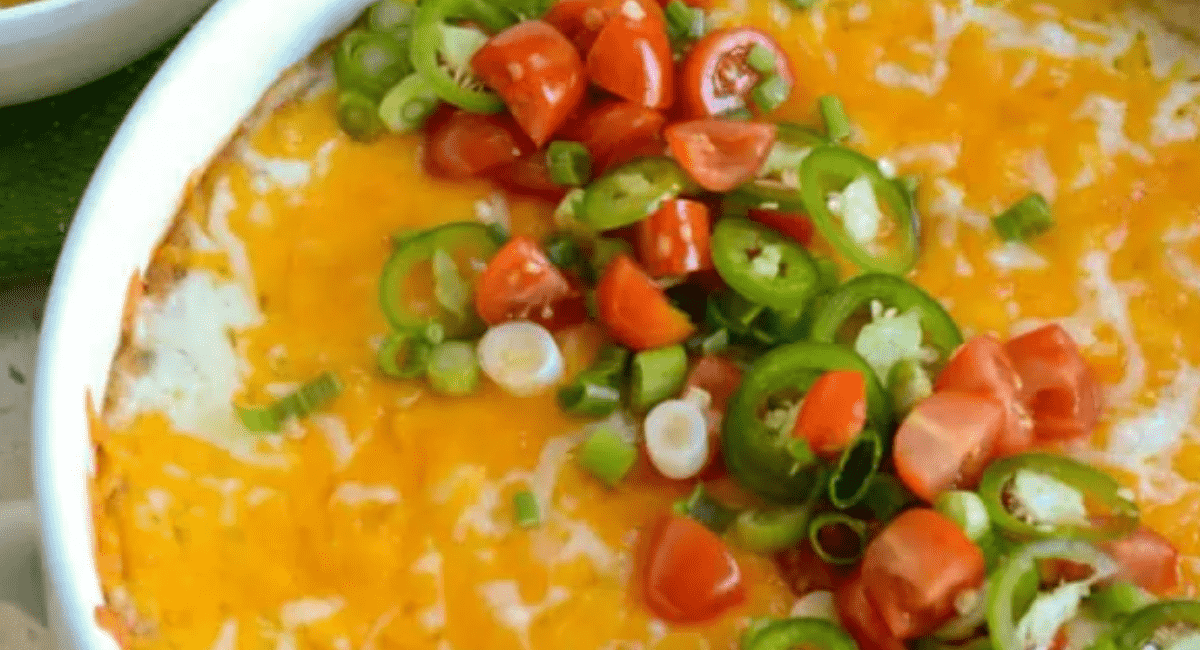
(981, 365)
(674, 239)
(635, 311)
(521, 283)
(616, 131)
(715, 77)
(719, 377)
(1058, 386)
(946, 442)
(537, 72)
(467, 144)
(804, 571)
(581, 20)
(690, 574)
(529, 175)
(1146, 559)
(720, 154)
(916, 567)
(860, 617)
(631, 58)
(833, 412)
(794, 225)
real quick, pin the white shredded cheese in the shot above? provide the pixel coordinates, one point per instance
(510, 609)
(1045, 501)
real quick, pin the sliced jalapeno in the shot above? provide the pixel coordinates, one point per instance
(409, 290)
(1159, 626)
(838, 538)
(777, 185)
(886, 497)
(757, 453)
(632, 192)
(774, 529)
(844, 304)
(704, 508)
(1085, 502)
(441, 52)
(808, 633)
(1013, 586)
(828, 171)
(404, 356)
(370, 63)
(763, 265)
(855, 470)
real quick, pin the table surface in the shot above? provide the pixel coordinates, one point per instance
(20, 316)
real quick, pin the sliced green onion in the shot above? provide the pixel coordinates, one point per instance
(309, 398)
(886, 497)
(855, 469)
(850, 538)
(358, 116)
(607, 455)
(406, 106)
(657, 375)
(526, 512)
(767, 531)
(404, 356)
(1120, 598)
(590, 394)
(569, 162)
(605, 250)
(1025, 220)
(449, 287)
(737, 114)
(370, 62)
(453, 369)
(770, 93)
(837, 123)
(683, 21)
(712, 343)
(563, 251)
(761, 59)
(966, 509)
(393, 17)
(704, 508)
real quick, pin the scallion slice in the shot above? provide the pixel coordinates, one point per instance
(406, 106)
(607, 456)
(563, 251)
(453, 369)
(683, 21)
(770, 93)
(590, 394)
(526, 512)
(569, 162)
(358, 115)
(837, 123)
(1025, 220)
(309, 398)
(837, 538)
(704, 508)
(761, 59)
(657, 375)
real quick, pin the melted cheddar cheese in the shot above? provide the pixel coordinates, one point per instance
(385, 521)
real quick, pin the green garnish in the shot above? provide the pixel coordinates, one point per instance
(607, 455)
(309, 398)
(837, 123)
(1025, 219)
(526, 512)
(569, 162)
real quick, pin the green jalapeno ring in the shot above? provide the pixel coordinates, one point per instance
(370, 63)
(763, 265)
(632, 192)
(407, 312)
(773, 529)
(843, 302)
(756, 455)
(830, 167)
(814, 633)
(428, 42)
(856, 527)
(792, 144)
(1093, 484)
(1139, 629)
(1012, 578)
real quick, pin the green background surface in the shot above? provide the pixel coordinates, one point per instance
(48, 151)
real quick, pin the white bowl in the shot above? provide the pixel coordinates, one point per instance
(189, 110)
(50, 46)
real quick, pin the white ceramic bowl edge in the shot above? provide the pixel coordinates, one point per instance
(196, 101)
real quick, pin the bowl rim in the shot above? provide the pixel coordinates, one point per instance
(30, 8)
(186, 114)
